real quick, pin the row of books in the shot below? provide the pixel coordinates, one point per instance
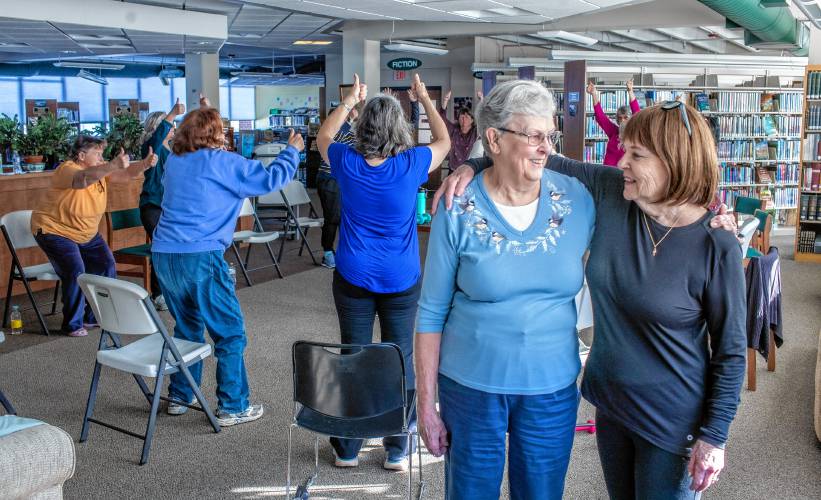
(279, 121)
(785, 173)
(785, 102)
(812, 147)
(594, 152)
(812, 178)
(810, 207)
(813, 117)
(748, 150)
(610, 100)
(71, 115)
(592, 129)
(814, 85)
(785, 197)
(739, 102)
(739, 126)
(736, 175)
(809, 241)
(729, 195)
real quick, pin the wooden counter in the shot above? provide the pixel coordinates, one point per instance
(26, 191)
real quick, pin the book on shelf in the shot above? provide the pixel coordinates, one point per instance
(808, 241)
(762, 150)
(768, 125)
(768, 102)
(702, 101)
(812, 207)
(812, 178)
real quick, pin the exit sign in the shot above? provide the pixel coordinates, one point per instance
(399, 75)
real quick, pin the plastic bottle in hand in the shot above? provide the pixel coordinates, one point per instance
(16, 321)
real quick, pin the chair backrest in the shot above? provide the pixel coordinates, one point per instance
(120, 306)
(247, 208)
(765, 226)
(746, 205)
(746, 233)
(349, 381)
(294, 192)
(18, 228)
(125, 219)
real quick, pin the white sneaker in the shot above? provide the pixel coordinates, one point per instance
(400, 465)
(345, 462)
(253, 412)
(178, 409)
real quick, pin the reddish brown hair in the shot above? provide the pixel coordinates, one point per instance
(691, 162)
(201, 128)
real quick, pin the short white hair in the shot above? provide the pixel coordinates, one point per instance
(514, 97)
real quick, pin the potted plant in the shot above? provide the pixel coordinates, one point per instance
(28, 146)
(9, 135)
(55, 135)
(125, 133)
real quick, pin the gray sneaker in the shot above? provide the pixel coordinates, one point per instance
(178, 409)
(253, 412)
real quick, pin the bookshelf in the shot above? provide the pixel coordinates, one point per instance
(808, 227)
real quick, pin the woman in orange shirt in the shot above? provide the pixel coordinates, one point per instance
(65, 225)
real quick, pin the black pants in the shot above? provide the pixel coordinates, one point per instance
(357, 308)
(635, 468)
(331, 202)
(150, 217)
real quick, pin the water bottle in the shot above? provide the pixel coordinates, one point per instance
(15, 159)
(16, 321)
(232, 272)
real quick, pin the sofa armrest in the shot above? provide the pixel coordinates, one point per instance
(34, 460)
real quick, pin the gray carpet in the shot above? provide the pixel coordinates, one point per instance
(773, 452)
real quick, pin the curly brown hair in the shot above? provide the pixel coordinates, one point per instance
(201, 128)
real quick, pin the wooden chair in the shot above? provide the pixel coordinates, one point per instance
(746, 205)
(761, 241)
(137, 256)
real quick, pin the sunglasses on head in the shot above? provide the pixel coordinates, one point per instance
(668, 105)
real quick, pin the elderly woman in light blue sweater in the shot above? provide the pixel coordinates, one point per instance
(507, 257)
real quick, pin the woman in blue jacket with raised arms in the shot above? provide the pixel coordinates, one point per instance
(205, 187)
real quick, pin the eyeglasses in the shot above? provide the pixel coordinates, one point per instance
(536, 138)
(668, 105)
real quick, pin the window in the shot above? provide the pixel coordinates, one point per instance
(157, 95)
(90, 96)
(242, 103)
(9, 98)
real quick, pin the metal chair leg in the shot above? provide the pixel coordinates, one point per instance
(421, 479)
(273, 258)
(34, 305)
(5, 403)
(288, 470)
(54, 298)
(410, 465)
(7, 305)
(241, 266)
(198, 393)
(152, 417)
(92, 398)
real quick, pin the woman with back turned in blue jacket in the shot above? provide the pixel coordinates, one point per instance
(205, 187)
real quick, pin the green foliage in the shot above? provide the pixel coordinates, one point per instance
(48, 136)
(125, 133)
(9, 131)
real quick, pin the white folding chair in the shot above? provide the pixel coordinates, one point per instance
(124, 308)
(255, 236)
(289, 198)
(16, 227)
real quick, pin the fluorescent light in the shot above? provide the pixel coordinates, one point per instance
(564, 36)
(703, 60)
(409, 47)
(313, 42)
(88, 65)
(92, 77)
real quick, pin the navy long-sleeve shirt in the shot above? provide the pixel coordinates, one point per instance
(668, 355)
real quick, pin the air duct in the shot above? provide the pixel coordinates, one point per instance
(764, 27)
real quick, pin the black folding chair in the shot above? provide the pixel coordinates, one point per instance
(350, 391)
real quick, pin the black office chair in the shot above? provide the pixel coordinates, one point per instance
(350, 391)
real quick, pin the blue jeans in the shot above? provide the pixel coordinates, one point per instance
(540, 429)
(71, 259)
(634, 468)
(200, 294)
(357, 309)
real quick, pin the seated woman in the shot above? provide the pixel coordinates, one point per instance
(377, 266)
(158, 131)
(65, 225)
(497, 320)
(669, 304)
(205, 187)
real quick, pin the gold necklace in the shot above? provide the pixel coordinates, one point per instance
(649, 232)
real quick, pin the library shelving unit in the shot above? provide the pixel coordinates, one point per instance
(808, 230)
(298, 119)
(758, 131)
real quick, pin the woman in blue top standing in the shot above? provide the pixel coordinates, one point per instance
(497, 317)
(205, 187)
(377, 262)
(158, 129)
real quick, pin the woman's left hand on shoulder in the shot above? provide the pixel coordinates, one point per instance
(706, 463)
(724, 220)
